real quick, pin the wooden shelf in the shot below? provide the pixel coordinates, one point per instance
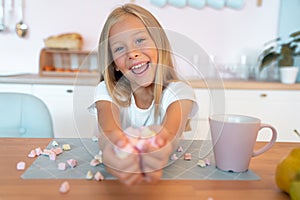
(58, 62)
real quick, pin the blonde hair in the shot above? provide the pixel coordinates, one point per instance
(117, 84)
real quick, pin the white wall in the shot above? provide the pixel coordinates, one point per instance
(224, 33)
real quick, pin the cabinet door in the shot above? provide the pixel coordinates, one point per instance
(59, 100)
(199, 124)
(209, 101)
(85, 121)
(68, 106)
(277, 108)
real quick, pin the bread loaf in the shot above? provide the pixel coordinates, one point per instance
(72, 41)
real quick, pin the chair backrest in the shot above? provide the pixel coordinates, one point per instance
(24, 115)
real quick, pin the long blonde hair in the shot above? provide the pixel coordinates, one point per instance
(119, 86)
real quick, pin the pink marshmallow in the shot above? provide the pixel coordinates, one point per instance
(174, 157)
(38, 151)
(179, 149)
(153, 142)
(57, 151)
(64, 187)
(72, 163)
(98, 176)
(62, 166)
(207, 162)
(187, 156)
(32, 154)
(124, 152)
(95, 162)
(52, 156)
(140, 144)
(46, 152)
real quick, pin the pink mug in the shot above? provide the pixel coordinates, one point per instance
(234, 137)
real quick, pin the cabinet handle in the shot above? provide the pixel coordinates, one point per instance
(263, 95)
(69, 91)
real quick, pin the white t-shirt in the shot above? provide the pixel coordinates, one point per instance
(136, 117)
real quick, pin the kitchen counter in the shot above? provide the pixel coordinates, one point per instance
(56, 80)
(241, 84)
(13, 186)
(92, 81)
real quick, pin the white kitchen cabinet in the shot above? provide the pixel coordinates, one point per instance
(70, 115)
(85, 121)
(68, 106)
(279, 108)
(199, 124)
(10, 87)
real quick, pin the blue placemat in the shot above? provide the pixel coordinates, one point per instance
(84, 149)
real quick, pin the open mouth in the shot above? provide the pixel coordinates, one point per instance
(140, 68)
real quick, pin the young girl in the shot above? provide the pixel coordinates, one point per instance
(139, 95)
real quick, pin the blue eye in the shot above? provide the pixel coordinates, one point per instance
(118, 49)
(140, 40)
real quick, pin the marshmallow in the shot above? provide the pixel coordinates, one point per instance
(54, 143)
(95, 162)
(98, 157)
(98, 176)
(187, 156)
(62, 166)
(174, 157)
(57, 151)
(32, 154)
(52, 156)
(72, 163)
(207, 162)
(21, 165)
(146, 132)
(95, 139)
(38, 151)
(64, 187)
(179, 149)
(201, 163)
(66, 147)
(46, 152)
(89, 175)
(124, 152)
(140, 144)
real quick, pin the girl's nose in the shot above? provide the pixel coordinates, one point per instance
(133, 54)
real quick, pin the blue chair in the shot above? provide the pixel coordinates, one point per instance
(24, 116)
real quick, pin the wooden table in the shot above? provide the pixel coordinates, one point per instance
(12, 186)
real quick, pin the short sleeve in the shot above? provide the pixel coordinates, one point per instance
(179, 91)
(101, 93)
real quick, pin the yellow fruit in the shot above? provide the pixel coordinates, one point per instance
(287, 169)
(295, 188)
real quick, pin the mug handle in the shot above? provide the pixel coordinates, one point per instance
(268, 145)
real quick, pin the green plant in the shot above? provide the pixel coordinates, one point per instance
(283, 52)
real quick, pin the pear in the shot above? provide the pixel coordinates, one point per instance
(287, 169)
(295, 188)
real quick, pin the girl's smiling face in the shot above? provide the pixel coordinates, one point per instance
(133, 50)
